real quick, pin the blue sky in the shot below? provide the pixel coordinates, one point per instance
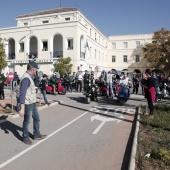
(111, 17)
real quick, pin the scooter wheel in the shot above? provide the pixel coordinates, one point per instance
(64, 92)
(88, 100)
(121, 102)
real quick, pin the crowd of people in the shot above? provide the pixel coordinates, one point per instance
(26, 89)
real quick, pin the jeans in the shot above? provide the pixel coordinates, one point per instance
(2, 95)
(79, 83)
(44, 96)
(69, 87)
(31, 110)
(110, 89)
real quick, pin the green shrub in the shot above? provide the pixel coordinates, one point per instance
(161, 155)
(161, 117)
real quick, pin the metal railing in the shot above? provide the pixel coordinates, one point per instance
(11, 56)
(57, 54)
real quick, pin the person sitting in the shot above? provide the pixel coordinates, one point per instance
(86, 78)
(125, 81)
(53, 82)
(92, 81)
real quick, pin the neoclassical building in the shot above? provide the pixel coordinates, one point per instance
(66, 32)
(125, 52)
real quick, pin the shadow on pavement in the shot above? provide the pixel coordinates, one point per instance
(8, 127)
(102, 114)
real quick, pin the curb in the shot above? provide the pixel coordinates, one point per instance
(41, 108)
(135, 141)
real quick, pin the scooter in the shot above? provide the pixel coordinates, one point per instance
(59, 88)
(123, 94)
(103, 89)
(91, 92)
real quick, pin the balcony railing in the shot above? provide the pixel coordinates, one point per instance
(57, 54)
(33, 55)
(11, 56)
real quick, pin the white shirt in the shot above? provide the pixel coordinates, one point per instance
(80, 77)
(125, 81)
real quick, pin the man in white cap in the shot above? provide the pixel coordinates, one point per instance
(27, 101)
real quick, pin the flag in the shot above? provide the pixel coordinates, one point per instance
(87, 45)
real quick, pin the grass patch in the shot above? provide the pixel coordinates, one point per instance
(154, 140)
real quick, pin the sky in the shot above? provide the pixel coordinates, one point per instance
(111, 17)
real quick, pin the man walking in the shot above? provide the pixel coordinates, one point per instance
(42, 86)
(2, 80)
(27, 101)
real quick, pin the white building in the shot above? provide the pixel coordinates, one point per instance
(66, 32)
(125, 52)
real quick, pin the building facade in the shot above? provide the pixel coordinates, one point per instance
(125, 52)
(66, 32)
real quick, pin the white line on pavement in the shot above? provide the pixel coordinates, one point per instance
(36, 144)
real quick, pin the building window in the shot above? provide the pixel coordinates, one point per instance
(95, 37)
(137, 58)
(114, 45)
(45, 46)
(26, 23)
(137, 44)
(125, 44)
(113, 59)
(125, 58)
(21, 47)
(99, 39)
(45, 22)
(90, 32)
(70, 44)
(67, 19)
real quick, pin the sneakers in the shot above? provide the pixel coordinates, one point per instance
(27, 141)
(40, 137)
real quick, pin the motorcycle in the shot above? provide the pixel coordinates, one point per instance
(91, 92)
(123, 94)
(103, 89)
(59, 88)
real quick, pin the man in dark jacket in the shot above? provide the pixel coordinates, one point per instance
(53, 82)
(156, 81)
(2, 80)
(86, 78)
(42, 86)
(15, 80)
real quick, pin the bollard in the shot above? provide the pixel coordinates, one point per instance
(12, 108)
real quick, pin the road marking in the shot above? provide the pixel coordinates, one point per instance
(36, 144)
(104, 119)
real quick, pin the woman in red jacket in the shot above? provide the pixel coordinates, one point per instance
(149, 90)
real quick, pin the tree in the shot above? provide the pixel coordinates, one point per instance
(157, 53)
(3, 62)
(63, 65)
